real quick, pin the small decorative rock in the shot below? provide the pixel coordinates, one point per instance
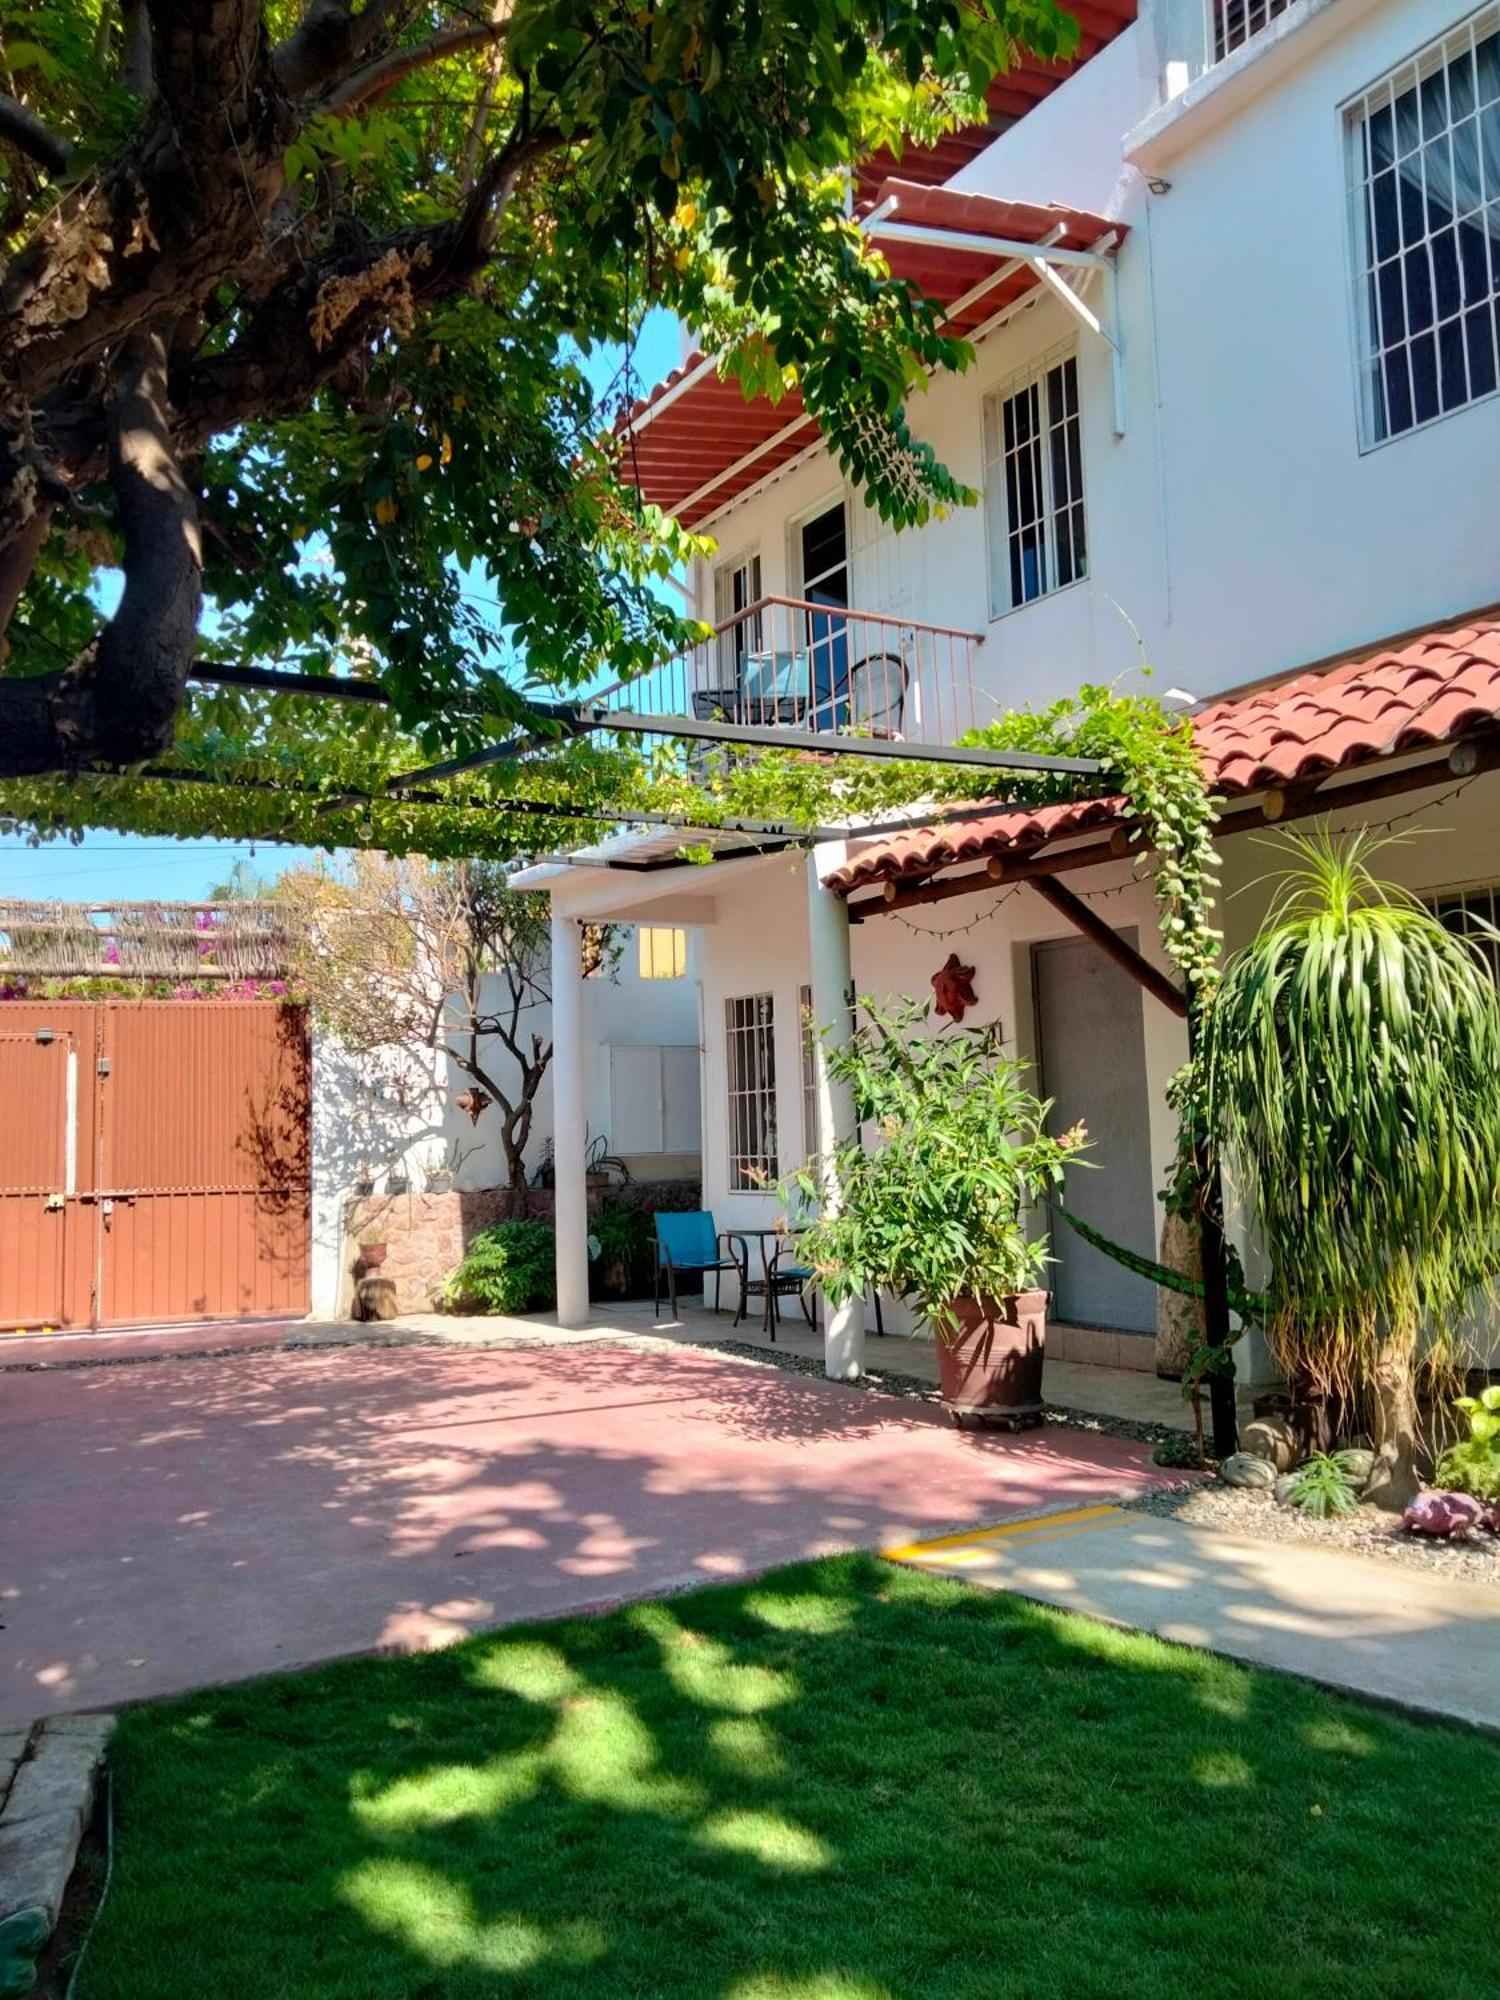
(1244, 1469)
(1357, 1464)
(1273, 1439)
(1283, 1489)
(1444, 1515)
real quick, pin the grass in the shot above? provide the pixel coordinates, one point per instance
(844, 1782)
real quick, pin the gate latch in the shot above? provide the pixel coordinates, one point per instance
(55, 1202)
(103, 1065)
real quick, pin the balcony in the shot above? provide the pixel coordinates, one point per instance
(807, 671)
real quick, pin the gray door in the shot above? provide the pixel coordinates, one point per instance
(1092, 1063)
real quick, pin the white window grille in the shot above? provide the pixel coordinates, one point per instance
(1424, 170)
(812, 1138)
(1232, 23)
(750, 1053)
(1033, 486)
(663, 952)
(1473, 913)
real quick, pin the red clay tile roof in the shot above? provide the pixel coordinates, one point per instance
(1426, 692)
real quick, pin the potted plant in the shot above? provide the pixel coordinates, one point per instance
(619, 1242)
(936, 1209)
(372, 1252)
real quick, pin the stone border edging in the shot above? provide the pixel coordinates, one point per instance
(49, 1774)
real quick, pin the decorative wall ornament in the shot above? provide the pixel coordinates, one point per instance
(953, 988)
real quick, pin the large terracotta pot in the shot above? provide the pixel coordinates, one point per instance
(990, 1365)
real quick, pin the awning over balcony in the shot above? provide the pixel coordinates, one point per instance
(695, 445)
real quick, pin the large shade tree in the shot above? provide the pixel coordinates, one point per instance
(297, 298)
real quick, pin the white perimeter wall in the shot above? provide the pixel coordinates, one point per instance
(373, 1117)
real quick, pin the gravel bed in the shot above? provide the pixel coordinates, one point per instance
(1365, 1530)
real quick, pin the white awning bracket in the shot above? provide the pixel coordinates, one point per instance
(1049, 261)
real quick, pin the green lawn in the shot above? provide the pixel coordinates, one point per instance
(844, 1782)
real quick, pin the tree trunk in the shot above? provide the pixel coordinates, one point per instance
(1394, 1419)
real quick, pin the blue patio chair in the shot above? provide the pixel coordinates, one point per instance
(687, 1242)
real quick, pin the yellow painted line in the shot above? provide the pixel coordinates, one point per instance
(1035, 1524)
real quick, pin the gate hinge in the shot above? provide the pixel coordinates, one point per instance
(102, 1066)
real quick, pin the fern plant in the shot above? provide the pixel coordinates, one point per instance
(1321, 1486)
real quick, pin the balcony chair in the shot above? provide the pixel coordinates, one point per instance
(688, 1243)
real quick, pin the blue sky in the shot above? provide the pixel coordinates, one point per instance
(140, 868)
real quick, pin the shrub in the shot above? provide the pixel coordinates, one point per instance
(1473, 1464)
(508, 1269)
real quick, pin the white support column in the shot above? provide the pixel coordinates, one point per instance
(833, 1008)
(569, 1129)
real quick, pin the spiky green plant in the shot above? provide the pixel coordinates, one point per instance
(1352, 1062)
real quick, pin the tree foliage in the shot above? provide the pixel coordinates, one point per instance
(297, 303)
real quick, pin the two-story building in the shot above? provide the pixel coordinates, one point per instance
(1233, 284)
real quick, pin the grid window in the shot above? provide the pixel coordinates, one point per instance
(811, 1135)
(663, 952)
(1424, 163)
(1473, 913)
(1236, 22)
(750, 1044)
(1033, 484)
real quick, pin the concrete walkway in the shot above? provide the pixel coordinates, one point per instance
(182, 1522)
(1382, 1630)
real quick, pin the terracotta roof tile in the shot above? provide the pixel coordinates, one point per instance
(1439, 686)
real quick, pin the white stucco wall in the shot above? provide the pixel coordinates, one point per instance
(394, 1115)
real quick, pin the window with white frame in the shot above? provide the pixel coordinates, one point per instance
(736, 589)
(811, 1132)
(1033, 485)
(1473, 914)
(1235, 22)
(1424, 172)
(663, 952)
(750, 1067)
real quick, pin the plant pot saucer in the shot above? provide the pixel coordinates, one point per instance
(979, 1417)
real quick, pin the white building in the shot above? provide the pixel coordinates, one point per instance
(1234, 286)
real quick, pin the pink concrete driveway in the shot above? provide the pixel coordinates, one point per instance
(180, 1522)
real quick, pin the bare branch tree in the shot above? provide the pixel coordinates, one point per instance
(408, 955)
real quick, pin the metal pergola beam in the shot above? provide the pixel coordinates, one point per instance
(754, 736)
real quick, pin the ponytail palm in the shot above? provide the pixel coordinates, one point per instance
(1352, 1062)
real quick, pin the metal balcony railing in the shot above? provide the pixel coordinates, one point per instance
(1232, 23)
(818, 669)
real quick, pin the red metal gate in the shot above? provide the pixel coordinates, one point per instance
(154, 1162)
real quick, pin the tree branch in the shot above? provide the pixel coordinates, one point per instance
(329, 37)
(26, 132)
(372, 82)
(118, 703)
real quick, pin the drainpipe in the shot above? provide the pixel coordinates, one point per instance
(569, 1129)
(833, 1010)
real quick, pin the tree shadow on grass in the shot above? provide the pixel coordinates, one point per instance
(847, 1781)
